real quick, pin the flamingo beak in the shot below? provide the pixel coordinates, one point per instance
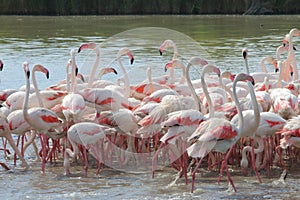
(276, 70)
(1, 65)
(294, 48)
(28, 74)
(76, 71)
(160, 52)
(115, 71)
(131, 60)
(83, 46)
(47, 75)
(292, 73)
(244, 54)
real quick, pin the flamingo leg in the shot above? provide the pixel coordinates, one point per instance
(12, 144)
(253, 161)
(194, 175)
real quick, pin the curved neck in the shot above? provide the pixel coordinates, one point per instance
(246, 65)
(181, 65)
(149, 75)
(126, 78)
(238, 107)
(73, 77)
(192, 89)
(255, 105)
(94, 69)
(37, 92)
(68, 77)
(210, 104)
(25, 104)
(262, 64)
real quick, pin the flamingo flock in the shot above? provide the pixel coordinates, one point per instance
(220, 121)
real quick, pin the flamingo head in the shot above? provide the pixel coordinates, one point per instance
(129, 54)
(164, 45)
(245, 77)
(90, 45)
(126, 51)
(294, 32)
(285, 40)
(113, 70)
(169, 65)
(228, 75)
(42, 69)
(245, 53)
(26, 69)
(1, 65)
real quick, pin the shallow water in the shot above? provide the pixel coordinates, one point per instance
(48, 40)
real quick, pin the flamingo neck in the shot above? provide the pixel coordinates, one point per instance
(192, 89)
(36, 89)
(262, 64)
(94, 69)
(68, 77)
(246, 65)
(255, 107)
(210, 104)
(238, 107)
(291, 59)
(126, 78)
(25, 104)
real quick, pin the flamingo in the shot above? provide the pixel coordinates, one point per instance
(40, 119)
(270, 123)
(165, 45)
(217, 134)
(291, 60)
(121, 52)
(290, 133)
(96, 49)
(259, 76)
(90, 135)
(73, 104)
(17, 123)
(180, 124)
(47, 98)
(5, 132)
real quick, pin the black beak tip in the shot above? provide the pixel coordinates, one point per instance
(276, 70)
(292, 73)
(115, 71)
(79, 50)
(47, 75)
(160, 52)
(131, 61)
(76, 71)
(294, 48)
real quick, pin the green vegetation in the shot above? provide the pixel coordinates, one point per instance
(120, 7)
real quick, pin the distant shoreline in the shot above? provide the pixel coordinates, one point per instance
(149, 7)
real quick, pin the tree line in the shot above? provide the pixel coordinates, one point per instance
(121, 7)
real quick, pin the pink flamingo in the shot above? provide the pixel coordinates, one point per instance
(96, 49)
(5, 132)
(40, 119)
(90, 135)
(270, 123)
(291, 60)
(165, 45)
(216, 133)
(73, 104)
(290, 135)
